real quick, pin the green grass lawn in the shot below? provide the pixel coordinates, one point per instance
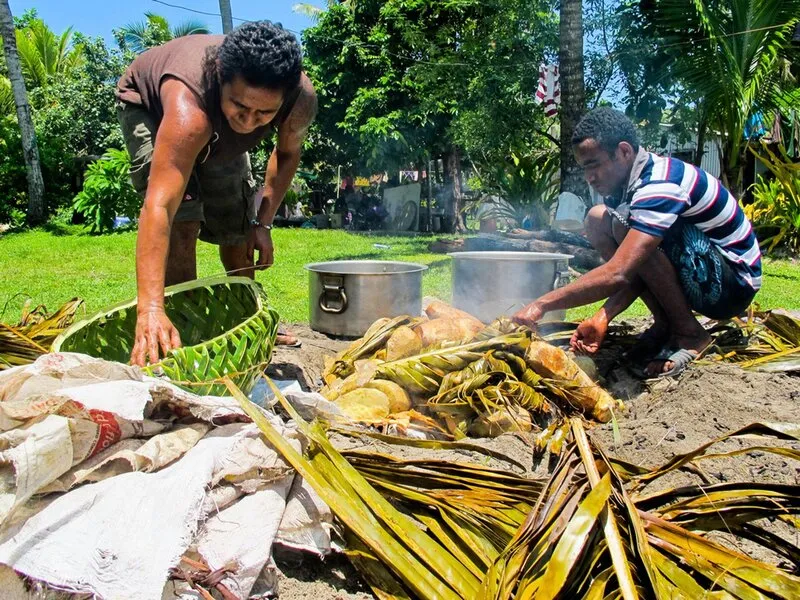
(51, 267)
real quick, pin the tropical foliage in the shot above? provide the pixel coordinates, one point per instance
(528, 186)
(107, 192)
(71, 81)
(729, 57)
(775, 210)
(400, 82)
(154, 31)
(45, 54)
(74, 119)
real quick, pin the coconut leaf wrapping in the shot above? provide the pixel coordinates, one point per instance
(225, 324)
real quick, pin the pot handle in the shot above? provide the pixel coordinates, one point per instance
(562, 278)
(333, 298)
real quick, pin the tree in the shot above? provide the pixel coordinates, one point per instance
(36, 207)
(43, 54)
(402, 80)
(155, 30)
(730, 58)
(573, 95)
(73, 113)
(225, 13)
(315, 12)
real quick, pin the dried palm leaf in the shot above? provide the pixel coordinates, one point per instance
(465, 531)
(485, 364)
(588, 538)
(486, 393)
(430, 444)
(768, 342)
(33, 336)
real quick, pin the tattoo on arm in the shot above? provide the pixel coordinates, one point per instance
(303, 113)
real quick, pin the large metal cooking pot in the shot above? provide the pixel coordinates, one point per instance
(493, 284)
(347, 296)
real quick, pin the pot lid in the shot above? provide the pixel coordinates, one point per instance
(365, 267)
(503, 255)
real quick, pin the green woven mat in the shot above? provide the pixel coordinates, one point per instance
(225, 324)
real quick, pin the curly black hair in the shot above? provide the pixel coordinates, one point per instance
(609, 127)
(262, 52)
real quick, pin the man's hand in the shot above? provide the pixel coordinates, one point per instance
(153, 330)
(260, 239)
(529, 315)
(589, 335)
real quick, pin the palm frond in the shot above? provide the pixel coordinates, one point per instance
(308, 10)
(43, 54)
(135, 35)
(7, 104)
(35, 333)
(732, 63)
(579, 534)
(190, 27)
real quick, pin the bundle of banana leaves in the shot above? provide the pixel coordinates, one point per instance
(437, 530)
(34, 334)
(467, 378)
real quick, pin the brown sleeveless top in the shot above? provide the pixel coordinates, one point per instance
(184, 58)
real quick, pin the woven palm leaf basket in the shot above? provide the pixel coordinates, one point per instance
(225, 324)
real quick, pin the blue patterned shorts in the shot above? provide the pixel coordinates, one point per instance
(709, 282)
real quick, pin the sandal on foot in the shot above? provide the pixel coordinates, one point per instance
(680, 359)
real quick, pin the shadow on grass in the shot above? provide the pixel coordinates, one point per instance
(58, 229)
(64, 229)
(792, 277)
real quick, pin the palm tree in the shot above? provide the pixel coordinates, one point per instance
(732, 58)
(43, 54)
(227, 16)
(315, 12)
(7, 105)
(573, 96)
(30, 149)
(154, 31)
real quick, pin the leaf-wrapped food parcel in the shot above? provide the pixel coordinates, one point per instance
(440, 331)
(365, 405)
(403, 342)
(552, 362)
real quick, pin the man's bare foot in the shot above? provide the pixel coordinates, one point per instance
(286, 338)
(693, 344)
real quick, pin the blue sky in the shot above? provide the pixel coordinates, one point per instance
(99, 17)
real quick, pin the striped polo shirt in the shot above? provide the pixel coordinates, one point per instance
(665, 189)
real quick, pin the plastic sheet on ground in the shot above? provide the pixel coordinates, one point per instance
(108, 478)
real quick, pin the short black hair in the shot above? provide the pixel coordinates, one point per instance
(262, 52)
(609, 127)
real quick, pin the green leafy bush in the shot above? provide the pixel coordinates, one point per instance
(775, 211)
(528, 184)
(13, 182)
(107, 192)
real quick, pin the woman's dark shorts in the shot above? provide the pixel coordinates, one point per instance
(220, 196)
